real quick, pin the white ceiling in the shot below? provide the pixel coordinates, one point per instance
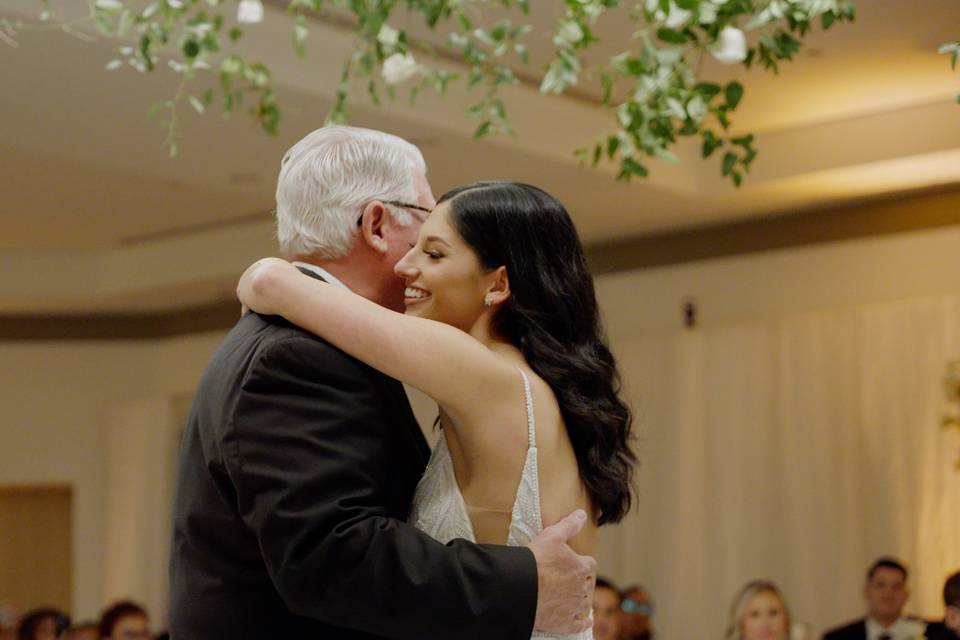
(868, 109)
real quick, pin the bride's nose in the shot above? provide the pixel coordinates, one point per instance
(405, 267)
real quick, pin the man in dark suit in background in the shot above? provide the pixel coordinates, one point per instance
(886, 594)
(299, 462)
(949, 628)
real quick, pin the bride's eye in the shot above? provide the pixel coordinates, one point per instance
(433, 254)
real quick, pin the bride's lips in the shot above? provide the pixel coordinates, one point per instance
(415, 295)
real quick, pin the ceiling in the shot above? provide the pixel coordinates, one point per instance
(866, 110)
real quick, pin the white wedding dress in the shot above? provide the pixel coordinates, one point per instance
(438, 508)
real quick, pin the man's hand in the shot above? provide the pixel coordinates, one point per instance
(566, 580)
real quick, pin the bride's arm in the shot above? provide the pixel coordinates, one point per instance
(442, 361)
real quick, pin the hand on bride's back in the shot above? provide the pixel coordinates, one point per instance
(259, 282)
(565, 578)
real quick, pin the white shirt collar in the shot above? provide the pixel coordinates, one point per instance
(902, 629)
(323, 273)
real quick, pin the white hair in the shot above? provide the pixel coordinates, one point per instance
(327, 179)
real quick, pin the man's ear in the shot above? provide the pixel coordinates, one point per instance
(498, 290)
(372, 223)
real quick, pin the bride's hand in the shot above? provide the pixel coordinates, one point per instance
(258, 286)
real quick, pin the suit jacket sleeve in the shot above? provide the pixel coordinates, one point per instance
(306, 453)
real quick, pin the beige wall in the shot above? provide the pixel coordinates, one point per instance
(65, 403)
(59, 401)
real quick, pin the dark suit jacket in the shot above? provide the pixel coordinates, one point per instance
(937, 631)
(853, 631)
(297, 468)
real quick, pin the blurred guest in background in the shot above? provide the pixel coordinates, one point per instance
(83, 631)
(949, 629)
(45, 623)
(606, 610)
(125, 620)
(636, 611)
(886, 594)
(759, 612)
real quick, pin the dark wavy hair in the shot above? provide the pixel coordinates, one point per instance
(553, 318)
(32, 620)
(116, 612)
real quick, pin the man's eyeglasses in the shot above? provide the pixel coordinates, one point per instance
(397, 203)
(632, 606)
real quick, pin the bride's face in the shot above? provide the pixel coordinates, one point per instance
(444, 279)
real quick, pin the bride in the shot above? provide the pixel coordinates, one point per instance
(502, 330)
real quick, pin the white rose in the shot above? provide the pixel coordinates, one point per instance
(388, 36)
(677, 17)
(250, 12)
(399, 68)
(730, 47)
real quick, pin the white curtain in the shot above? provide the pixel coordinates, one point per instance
(141, 447)
(798, 450)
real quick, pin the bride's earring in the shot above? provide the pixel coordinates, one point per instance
(488, 300)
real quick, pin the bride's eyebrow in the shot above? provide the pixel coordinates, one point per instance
(437, 239)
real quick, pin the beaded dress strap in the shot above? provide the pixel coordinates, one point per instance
(531, 424)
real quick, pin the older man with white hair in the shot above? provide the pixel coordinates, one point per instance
(299, 462)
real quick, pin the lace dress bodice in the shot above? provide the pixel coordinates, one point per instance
(439, 510)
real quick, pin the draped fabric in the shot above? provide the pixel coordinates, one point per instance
(797, 449)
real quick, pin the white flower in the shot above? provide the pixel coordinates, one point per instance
(677, 17)
(708, 13)
(388, 36)
(399, 68)
(730, 47)
(250, 12)
(652, 5)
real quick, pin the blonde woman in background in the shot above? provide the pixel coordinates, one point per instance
(759, 612)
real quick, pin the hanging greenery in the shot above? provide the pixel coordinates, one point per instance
(953, 49)
(652, 90)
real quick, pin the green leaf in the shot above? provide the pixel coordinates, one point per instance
(827, 19)
(110, 6)
(671, 36)
(125, 22)
(743, 140)
(154, 110)
(190, 49)
(729, 161)
(103, 23)
(710, 144)
(235, 34)
(707, 89)
(629, 168)
(300, 33)
(665, 155)
(522, 52)
(733, 92)
(482, 130)
(613, 143)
